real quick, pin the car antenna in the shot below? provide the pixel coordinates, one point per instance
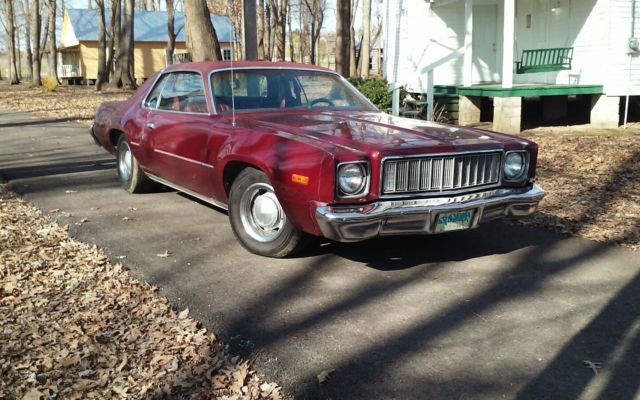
(233, 83)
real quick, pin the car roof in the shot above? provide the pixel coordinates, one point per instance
(208, 66)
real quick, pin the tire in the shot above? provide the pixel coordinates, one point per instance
(258, 220)
(131, 176)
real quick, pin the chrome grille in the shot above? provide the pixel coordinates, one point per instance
(440, 173)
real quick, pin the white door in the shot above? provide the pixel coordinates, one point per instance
(485, 42)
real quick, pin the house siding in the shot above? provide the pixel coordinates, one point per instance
(419, 33)
(623, 71)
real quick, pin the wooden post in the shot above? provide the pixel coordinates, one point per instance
(507, 43)
(468, 44)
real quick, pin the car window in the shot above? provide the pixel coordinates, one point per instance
(184, 92)
(152, 98)
(282, 89)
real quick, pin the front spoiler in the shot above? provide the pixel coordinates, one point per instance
(418, 216)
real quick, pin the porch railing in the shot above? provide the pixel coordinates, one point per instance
(69, 71)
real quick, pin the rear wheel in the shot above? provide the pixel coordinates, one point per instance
(258, 220)
(132, 177)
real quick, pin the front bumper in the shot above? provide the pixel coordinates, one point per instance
(419, 216)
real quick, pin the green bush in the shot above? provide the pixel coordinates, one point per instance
(375, 89)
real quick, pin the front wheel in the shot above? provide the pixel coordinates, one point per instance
(258, 220)
(132, 177)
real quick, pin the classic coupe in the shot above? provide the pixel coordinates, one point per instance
(294, 151)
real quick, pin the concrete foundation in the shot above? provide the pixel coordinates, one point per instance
(469, 111)
(507, 114)
(605, 111)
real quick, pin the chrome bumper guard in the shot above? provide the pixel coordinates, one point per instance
(419, 216)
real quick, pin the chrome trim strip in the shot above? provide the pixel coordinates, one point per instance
(166, 153)
(206, 199)
(134, 143)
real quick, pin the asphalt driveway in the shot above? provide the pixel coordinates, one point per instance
(499, 312)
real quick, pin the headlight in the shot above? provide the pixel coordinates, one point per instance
(514, 166)
(352, 178)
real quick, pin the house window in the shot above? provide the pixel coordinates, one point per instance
(226, 54)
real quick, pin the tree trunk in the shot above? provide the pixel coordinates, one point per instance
(125, 53)
(11, 42)
(353, 66)
(36, 21)
(52, 59)
(103, 72)
(343, 35)
(250, 30)
(171, 33)
(366, 39)
(27, 33)
(44, 42)
(115, 60)
(267, 36)
(203, 41)
(261, 24)
(291, 49)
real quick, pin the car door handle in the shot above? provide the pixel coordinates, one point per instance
(151, 125)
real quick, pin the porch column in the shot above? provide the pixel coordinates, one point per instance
(468, 49)
(507, 43)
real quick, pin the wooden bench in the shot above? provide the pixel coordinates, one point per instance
(544, 60)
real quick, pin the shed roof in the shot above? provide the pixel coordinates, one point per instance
(148, 26)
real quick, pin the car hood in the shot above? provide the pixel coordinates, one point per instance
(366, 131)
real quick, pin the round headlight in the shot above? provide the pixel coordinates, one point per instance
(514, 166)
(351, 178)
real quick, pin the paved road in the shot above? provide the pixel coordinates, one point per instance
(500, 312)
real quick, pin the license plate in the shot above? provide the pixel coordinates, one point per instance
(453, 221)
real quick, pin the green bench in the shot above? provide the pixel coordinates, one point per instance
(544, 60)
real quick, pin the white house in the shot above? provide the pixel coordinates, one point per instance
(583, 51)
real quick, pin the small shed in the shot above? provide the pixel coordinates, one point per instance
(78, 50)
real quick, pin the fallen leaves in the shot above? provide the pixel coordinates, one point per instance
(166, 254)
(592, 184)
(77, 327)
(324, 376)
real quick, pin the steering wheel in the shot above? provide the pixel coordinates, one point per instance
(320, 100)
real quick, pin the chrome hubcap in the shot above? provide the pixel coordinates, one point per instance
(261, 214)
(125, 161)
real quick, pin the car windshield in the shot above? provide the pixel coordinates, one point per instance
(284, 89)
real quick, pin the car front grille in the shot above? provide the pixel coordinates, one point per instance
(440, 173)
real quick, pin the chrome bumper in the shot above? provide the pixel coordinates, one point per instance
(419, 216)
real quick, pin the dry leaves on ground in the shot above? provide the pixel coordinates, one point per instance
(592, 184)
(71, 103)
(77, 327)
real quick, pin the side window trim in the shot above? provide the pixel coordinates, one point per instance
(163, 83)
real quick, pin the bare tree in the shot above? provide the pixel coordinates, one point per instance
(114, 43)
(25, 16)
(10, 29)
(171, 33)
(125, 65)
(36, 21)
(268, 54)
(201, 32)
(365, 43)
(279, 15)
(51, 42)
(250, 30)
(343, 36)
(316, 10)
(353, 62)
(103, 71)
(261, 30)
(289, 17)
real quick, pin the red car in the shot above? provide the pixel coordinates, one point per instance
(294, 151)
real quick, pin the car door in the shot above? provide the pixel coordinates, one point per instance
(176, 133)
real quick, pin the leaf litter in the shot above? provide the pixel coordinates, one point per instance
(78, 327)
